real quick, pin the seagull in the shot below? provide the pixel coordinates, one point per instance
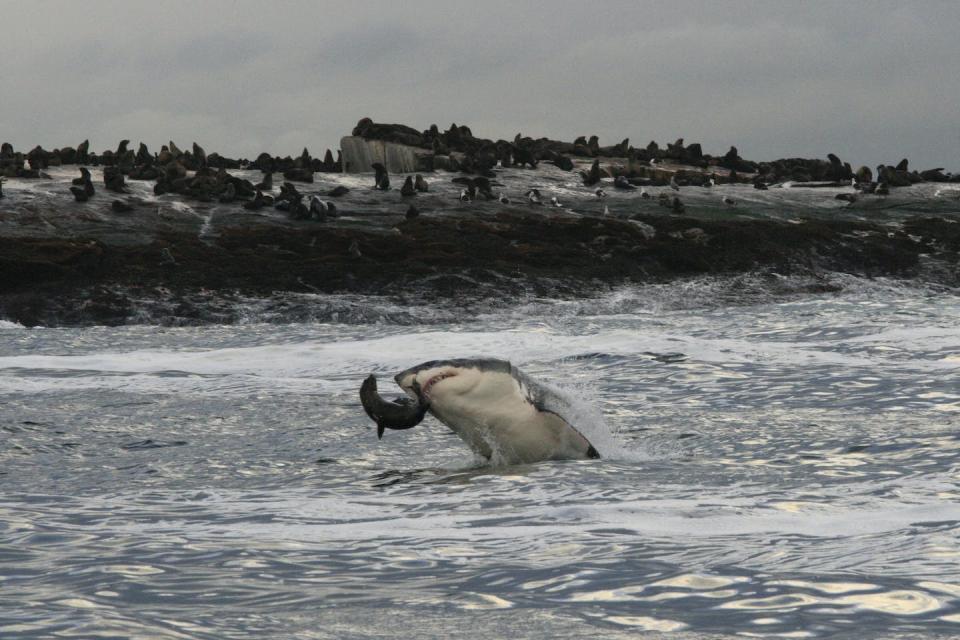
(503, 199)
(555, 202)
(464, 196)
(643, 193)
(606, 210)
(673, 184)
(600, 193)
(533, 196)
(653, 162)
(711, 183)
(727, 200)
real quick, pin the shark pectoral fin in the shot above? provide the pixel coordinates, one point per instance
(380, 429)
(592, 453)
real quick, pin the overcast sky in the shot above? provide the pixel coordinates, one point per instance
(870, 81)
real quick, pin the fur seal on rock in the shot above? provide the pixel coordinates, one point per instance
(267, 183)
(257, 203)
(113, 179)
(593, 176)
(678, 206)
(408, 189)
(318, 208)
(381, 178)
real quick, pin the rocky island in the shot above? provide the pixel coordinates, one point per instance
(178, 235)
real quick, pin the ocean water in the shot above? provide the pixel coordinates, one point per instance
(774, 465)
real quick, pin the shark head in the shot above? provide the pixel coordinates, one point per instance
(439, 381)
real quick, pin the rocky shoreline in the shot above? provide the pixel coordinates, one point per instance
(186, 227)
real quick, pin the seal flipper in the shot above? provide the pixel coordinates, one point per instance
(402, 413)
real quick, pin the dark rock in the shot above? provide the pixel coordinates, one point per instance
(298, 175)
(119, 206)
(229, 194)
(336, 192)
(934, 175)
(113, 179)
(398, 133)
(79, 194)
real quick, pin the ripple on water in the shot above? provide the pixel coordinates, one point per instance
(169, 483)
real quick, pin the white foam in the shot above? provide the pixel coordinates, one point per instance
(341, 362)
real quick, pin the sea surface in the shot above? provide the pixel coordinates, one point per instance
(774, 465)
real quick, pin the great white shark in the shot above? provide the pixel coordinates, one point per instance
(497, 410)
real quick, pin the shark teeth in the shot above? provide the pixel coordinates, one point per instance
(434, 380)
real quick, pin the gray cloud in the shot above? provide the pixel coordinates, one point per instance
(871, 81)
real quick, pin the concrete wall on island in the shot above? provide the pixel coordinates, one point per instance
(359, 153)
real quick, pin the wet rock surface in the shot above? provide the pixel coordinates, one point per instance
(63, 261)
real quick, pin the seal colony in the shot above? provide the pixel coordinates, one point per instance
(501, 413)
(90, 238)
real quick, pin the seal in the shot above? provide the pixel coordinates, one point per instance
(267, 183)
(501, 413)
(318, 209)
(381, 177)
